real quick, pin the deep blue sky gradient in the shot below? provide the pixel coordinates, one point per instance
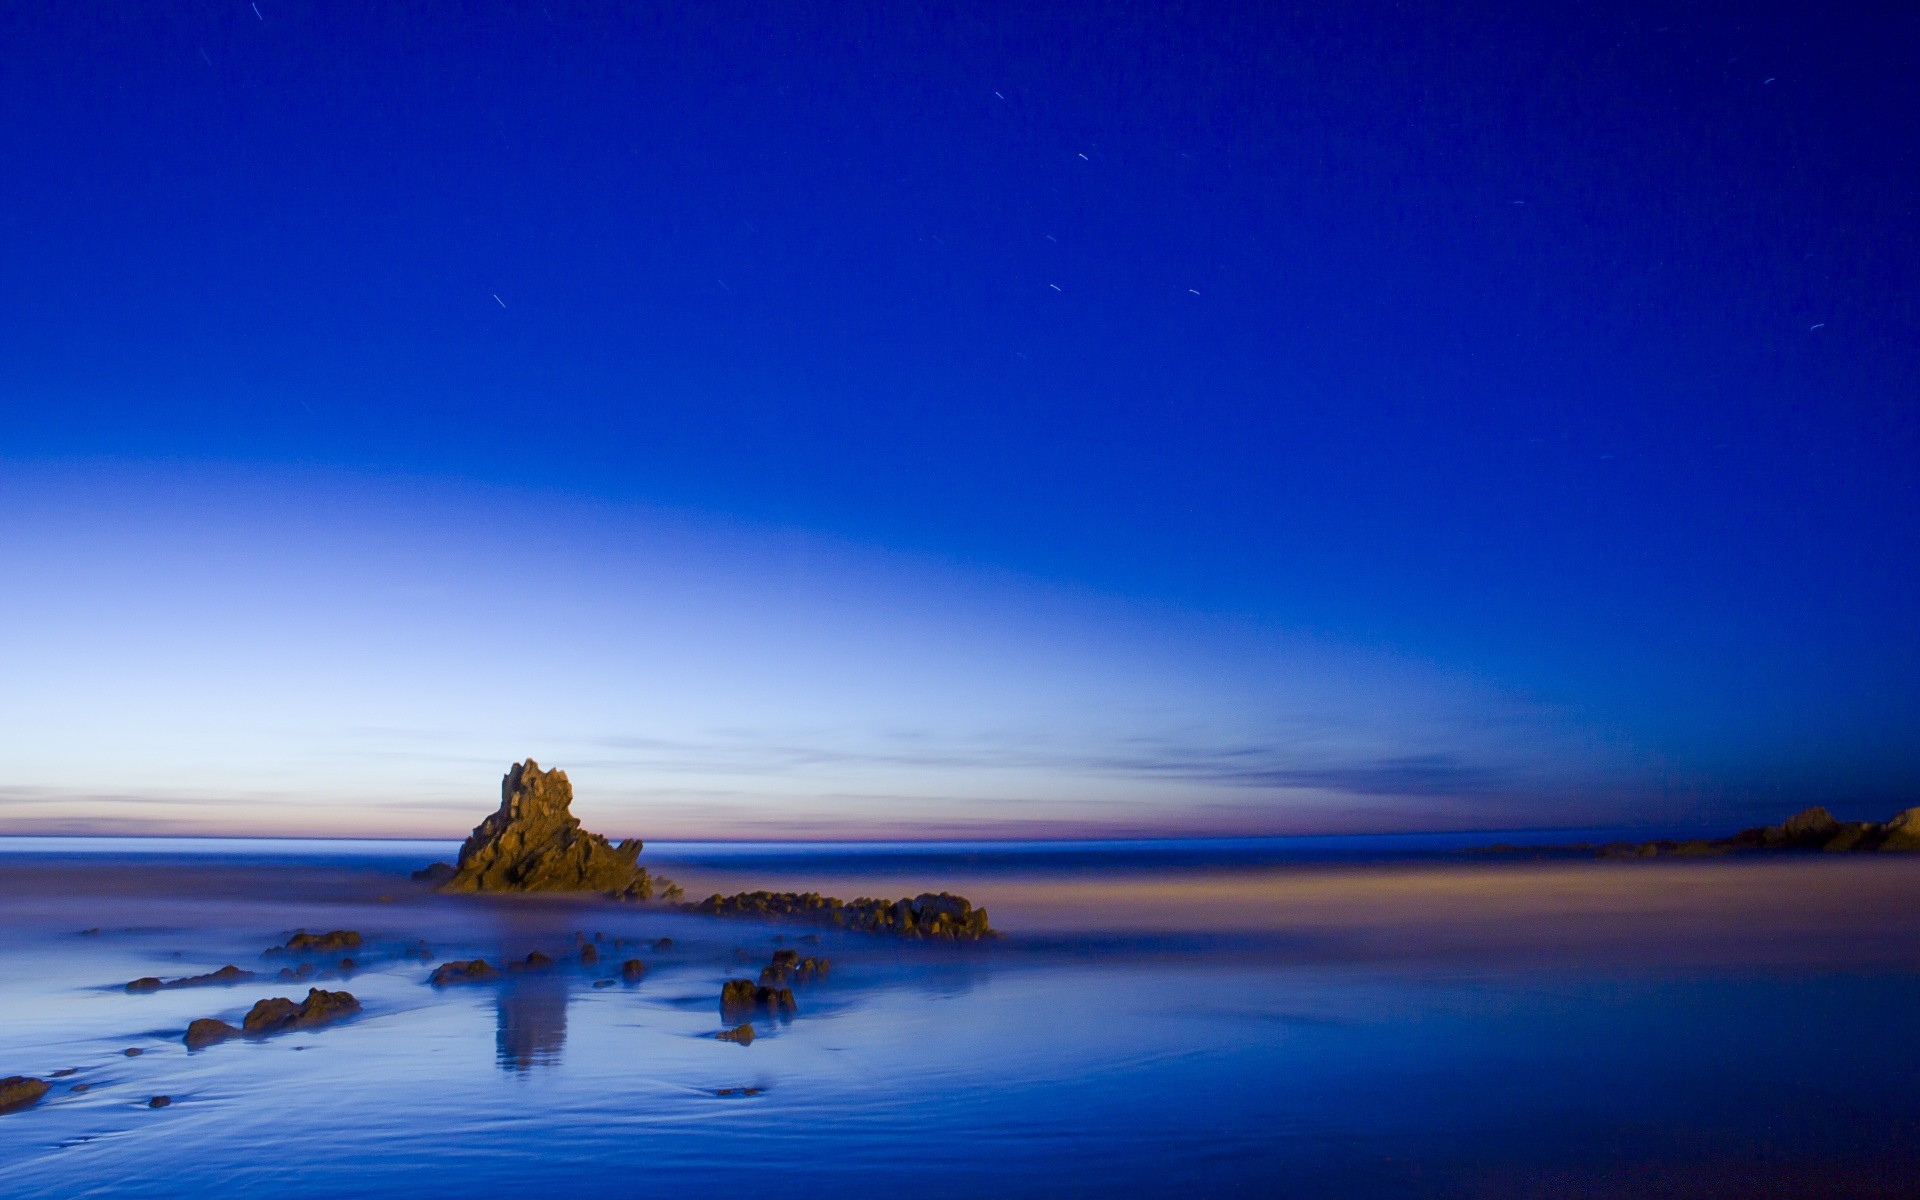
(1572, 348)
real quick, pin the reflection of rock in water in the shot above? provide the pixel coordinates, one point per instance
(532, 1023)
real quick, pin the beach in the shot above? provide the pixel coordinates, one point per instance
(1271, 1020)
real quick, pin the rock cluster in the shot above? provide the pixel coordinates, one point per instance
(741, 998)
(788, 967)
(276, 1014)
(226, 974)
(534, 843)
(941, 916)
(20, 1091)
(1809, 829)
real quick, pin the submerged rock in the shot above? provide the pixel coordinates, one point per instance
(435, 873)
(942, 915)
(160, 1102)
(20, 1091)
(533, 843)
(477, 971)
(633, 970)
(226, 974)
(303, 942)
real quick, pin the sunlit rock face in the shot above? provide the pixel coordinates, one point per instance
(533, 843)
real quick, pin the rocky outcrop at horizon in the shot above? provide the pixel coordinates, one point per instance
(534, 843)
(1809, 829)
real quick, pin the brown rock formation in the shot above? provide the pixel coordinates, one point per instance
(533, 843)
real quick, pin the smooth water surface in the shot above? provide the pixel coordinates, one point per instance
(1213, 1019)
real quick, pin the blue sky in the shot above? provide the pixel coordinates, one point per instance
(1175, 417)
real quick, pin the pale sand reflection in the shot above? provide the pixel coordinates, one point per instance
(1763, 911)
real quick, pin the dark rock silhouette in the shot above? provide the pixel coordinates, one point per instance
(633, 970)
(160, 1102)
(435, 873)
(533, 843)
(942, 916)
(226, 974)
(20, 1091)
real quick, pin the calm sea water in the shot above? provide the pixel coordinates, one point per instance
(1373, 1018)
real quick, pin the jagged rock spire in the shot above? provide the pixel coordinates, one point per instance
(534, 843)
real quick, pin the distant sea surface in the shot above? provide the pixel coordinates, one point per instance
(1269, 1017)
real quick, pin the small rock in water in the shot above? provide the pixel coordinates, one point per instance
(133, 1052)
(80, 1087)
(303, 942)
(277, 1014)
(160, 1102)
(225, 975)
(588, 955)
(208, 1031)
(477, 971)
(742, 1034)
(603, 983)
(633, 970)
(663, 943)
(20, 1091)
(63, 1072)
